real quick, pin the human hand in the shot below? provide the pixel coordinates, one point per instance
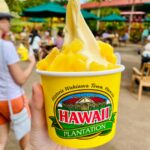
(39, 139)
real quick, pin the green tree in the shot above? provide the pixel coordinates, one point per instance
(31, 3)
(94, 0)
(14, 5)
(61, 2)
(109, 11)
(19, 5)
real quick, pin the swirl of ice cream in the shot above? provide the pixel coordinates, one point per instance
(81, 51)
(76, 28)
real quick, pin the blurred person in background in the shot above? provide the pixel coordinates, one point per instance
(145, 34)
(47, 39)
(12, 78)
(59, 39)
(115, 39)
(146, 52)
(23, 34)
(34, 43)
(124, 38)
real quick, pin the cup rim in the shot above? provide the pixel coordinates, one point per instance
(86, 73)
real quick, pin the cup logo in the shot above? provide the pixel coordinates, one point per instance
(83, 115)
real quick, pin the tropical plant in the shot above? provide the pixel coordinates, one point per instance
(61, 2)
(136, 30)
(31, 3)
(94, 0)
(14, 5)
(109, 11)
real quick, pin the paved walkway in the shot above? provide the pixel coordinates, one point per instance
(133, 125)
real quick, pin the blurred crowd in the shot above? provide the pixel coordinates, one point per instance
(113, 37)
(41, 42)
(37, 41)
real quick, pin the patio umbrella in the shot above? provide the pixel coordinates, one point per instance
(89, 16)
(39, 20)
(145, 7)
(113, 17)
(49, 9)
(146, 20)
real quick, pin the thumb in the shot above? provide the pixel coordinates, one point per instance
(39, 136)
(37, 107)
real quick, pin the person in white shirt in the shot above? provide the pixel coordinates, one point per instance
(35, 42)
(12, 77)
(146, 52)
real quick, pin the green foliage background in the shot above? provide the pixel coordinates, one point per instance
(18, 6)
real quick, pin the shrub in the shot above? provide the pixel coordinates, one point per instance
(136, 32)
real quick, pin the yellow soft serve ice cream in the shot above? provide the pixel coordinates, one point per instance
(81, 84)
(81, 51)
(72, 58)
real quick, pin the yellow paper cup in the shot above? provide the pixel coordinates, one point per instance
(81, 107)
